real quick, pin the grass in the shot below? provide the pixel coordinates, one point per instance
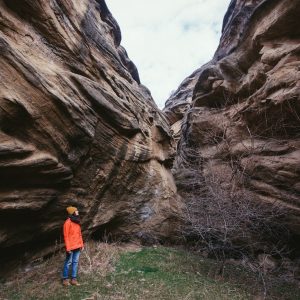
(164, 273)
(131, 272)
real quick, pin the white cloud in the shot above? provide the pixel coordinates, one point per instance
(168, 40)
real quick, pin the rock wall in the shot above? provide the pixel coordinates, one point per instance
(241, 111)
(76, 127)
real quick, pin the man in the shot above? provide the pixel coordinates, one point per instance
(74, 244)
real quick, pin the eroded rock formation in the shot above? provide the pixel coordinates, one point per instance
(241, 111)
(75, 123)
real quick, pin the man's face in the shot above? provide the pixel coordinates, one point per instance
(76, 213)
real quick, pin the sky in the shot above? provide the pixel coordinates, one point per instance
(168, 39)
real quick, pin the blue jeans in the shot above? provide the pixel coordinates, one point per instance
(71, 259)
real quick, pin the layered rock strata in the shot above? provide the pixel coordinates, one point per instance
(241, 111)
(76, 127)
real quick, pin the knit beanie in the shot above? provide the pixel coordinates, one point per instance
(71, 210)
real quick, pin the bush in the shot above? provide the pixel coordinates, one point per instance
(225, 219)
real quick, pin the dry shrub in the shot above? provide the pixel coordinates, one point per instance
(223, 218)
(98, 258)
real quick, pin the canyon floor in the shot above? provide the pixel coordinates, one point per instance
(130, 271)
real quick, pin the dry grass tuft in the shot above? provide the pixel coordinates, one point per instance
(100, 258)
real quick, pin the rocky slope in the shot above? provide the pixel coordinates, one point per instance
(76, 127)
(241, 111)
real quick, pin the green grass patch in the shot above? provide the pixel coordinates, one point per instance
(164, 273)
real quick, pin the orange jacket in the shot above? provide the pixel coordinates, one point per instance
(72, 235)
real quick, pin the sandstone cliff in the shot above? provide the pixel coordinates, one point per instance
(241, 111)
(76, 127)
